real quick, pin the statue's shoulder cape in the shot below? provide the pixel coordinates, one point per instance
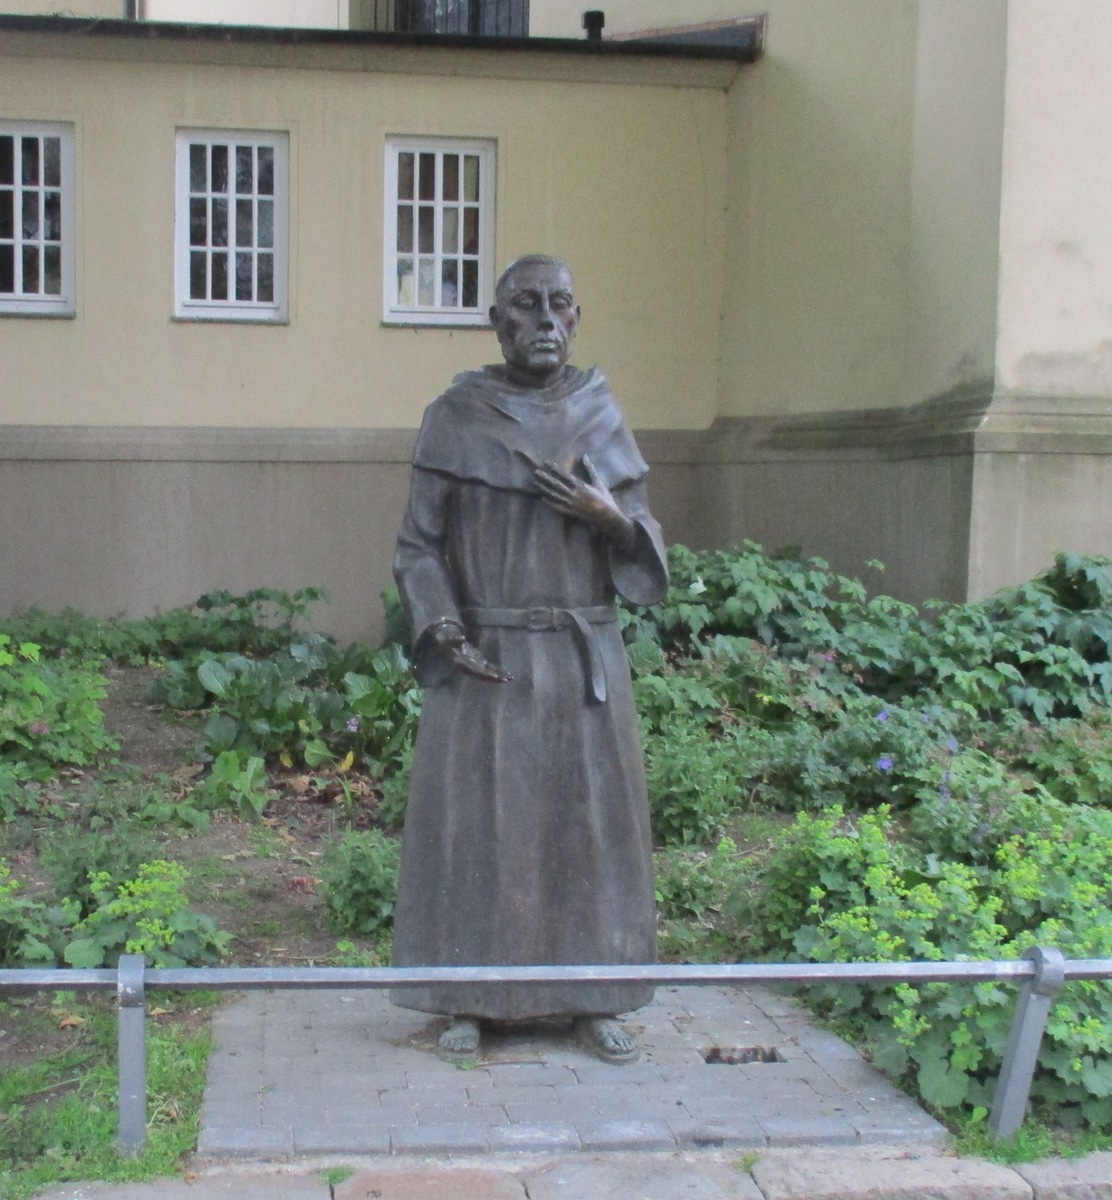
(485, 430)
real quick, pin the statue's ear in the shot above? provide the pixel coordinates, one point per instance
(493, 314)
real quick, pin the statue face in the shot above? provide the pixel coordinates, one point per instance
(535, 317)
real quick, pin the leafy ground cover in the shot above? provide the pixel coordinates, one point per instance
(832, 776)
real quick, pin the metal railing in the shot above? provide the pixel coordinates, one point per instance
(1041, 973)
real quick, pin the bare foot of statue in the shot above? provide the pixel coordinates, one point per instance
(607, 1040)
(459, 1043)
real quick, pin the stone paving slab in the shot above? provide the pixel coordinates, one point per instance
(298, 1072)
(652, 1179)
(222, 1186)
(834, 1175)
(1088, 1178)
(460, 1183)
(822, 1173)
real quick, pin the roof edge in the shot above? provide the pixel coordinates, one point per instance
(108, 27)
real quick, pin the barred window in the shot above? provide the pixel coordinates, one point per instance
(231, 225)
(474, 18)
(439, 231)
(36, 219)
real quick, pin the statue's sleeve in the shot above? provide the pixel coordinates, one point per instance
(641, 574)
(422, 573)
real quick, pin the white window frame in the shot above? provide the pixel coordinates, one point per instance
(32, 239)
(400, 310)
(208, 308)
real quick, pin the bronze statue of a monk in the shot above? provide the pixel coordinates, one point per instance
(527, 831)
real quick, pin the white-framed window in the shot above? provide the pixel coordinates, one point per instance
(231, 227)
(438, 241)
(36, 218)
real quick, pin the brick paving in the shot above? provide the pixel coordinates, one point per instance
(320, 1072)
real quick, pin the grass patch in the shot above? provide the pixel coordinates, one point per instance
(1033, 1140)
(58, 1114)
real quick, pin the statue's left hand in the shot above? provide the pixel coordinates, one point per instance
(588, 500)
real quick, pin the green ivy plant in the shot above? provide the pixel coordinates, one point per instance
(844, 888)
(237, 781)
(360, 882)
(49, 713)
(147, 915)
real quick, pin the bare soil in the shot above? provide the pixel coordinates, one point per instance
(257, 879)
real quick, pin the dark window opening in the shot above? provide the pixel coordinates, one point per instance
(468, 18)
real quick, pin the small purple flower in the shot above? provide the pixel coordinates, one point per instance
(39, 728)
(353, 724)
(884, 763)
(882, 715)
(952, 745)
(829, 656)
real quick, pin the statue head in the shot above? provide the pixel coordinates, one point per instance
(535, 316)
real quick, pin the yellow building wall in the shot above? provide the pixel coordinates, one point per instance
(818, 221)
(320, 14)
(818, 217)
(62, 8)
(626, 181)
(955, 198)
(564, 18)
(1055, 234)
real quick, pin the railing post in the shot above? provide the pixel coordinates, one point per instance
(131, 995)
(1009, 1103)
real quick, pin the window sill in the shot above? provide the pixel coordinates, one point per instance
(40, 314)
(229, 319)
(421, 322)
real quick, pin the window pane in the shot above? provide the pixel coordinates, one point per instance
(244, 290)
(405, 176)
(266, 222)
(405, 229)
(52, 216)
(451, 231)
(197, 164)
(30, 214)
(245, 170)
(470, 284)
(197, 278)
(7, 268)
(30, 268)
(52, 281)
(405, 281)
(449, 283)
(428, 177)
(266, 171)
(266, 278)
(426, 281)
(198, 222)
(451, 176)
(219, 277)
(52, 161)
(426, 224)
(7, 157)
(245, 223)
(30, 160)
(220, 222)
(471, 231)
(219, 168)
(471, 178)
(7, 214)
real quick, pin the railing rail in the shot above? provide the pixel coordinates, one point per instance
(1041, 974)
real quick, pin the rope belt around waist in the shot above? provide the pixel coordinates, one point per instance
(545, 620)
